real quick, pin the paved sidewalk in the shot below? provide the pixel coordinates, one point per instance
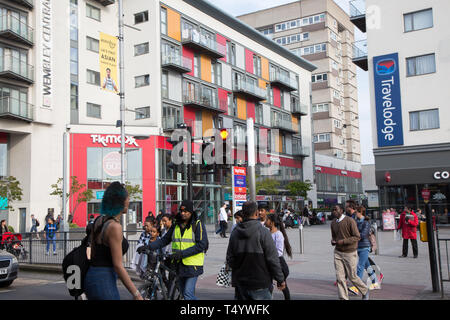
(312, 274)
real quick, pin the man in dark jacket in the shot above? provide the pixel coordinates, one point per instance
(189, 244)
(253, 258)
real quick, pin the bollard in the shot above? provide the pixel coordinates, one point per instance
(375, 227)
(300, 230)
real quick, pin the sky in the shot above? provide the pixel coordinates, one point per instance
(240, 7)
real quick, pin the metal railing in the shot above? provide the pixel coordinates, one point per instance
(250, 88)
(298, 107)
(12, 106)
(283, 78)
(170, 122)
(198, 37)
(202, 96)
(283, 123)
(357, 8)
(359, 49)
(14, 65)
(14, 25)
(301, 151)
(176, 59)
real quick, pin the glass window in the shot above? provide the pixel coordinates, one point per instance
(165, 84)
(197, 66)
(3, 160)
(421, 65)
(93, 77)
(142, 113)
(141, 49)
(94, 110)
(141, 81)
(163, 20)
(141, 17)
(418, 20)
(424, 120)
(92, 12)
(92, 44)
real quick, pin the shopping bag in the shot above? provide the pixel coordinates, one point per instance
(223, 277)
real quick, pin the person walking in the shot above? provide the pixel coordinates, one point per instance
(275, 224)
(305, 215)
(108, 245)
(239, 218)
(345, 237)
(408, 224)
(50, 235)
(253, 258)
(34, 225)
(189, 244)
(263, 211)
(223, 221)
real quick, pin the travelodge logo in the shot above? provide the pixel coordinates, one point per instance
(386, 67)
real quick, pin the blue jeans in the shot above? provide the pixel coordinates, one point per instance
(53, 240)
(247, 294)
(188, 287)
(363, 261)
(100, 283)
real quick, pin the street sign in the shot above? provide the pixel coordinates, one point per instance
(3, 203)
(426, 195)
(99, 194)
(240, 190)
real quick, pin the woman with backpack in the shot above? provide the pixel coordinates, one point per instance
(108, 245)
(50, 234)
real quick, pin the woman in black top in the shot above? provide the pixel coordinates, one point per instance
(107, 247)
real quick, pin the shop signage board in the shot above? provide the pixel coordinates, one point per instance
(239, 188)
(388, 221)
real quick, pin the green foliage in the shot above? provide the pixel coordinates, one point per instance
(271, 186)
(299, 188)
(11, 190)
(73, 225)
(11, 229)
(134, 191)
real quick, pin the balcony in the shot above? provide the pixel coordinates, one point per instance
(300, 151)
(26, 3)
(298, 108)
(284, 124)
(13, 68)
(201, 97)
(284, 81)
(249, 89)
(106, 2)
(176, 62)
(11, 108)
(169, 123)
(360, 54)
(195, 39)
(13, 29)
(358, 14)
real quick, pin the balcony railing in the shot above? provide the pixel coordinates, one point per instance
(250, 89)
(360, 54)
(199, 41)
(16, 109)
(106, 2)
(283, 124)
(358, 14)
(12, 67)
(26, 3)
(299, 108)
(170, 122)
(176, 62)
(300, 151)
(284, 80)
(12, 28)
(201, 97)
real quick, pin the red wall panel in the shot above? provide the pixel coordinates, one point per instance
(248, 61)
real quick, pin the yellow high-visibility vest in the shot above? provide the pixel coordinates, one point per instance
(180, 243)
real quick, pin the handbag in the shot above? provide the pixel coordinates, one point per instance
(223, 277)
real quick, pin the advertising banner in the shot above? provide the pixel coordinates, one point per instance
(108, 62)
(388, 221)
(388, 100)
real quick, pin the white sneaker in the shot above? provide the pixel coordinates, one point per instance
(47, 254)
(375, 286)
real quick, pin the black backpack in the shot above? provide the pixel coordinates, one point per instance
(78, 258)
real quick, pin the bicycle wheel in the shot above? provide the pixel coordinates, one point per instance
(175, 291)
(152, 291)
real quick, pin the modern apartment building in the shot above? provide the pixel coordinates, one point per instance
(186, 61)
(408, 63)
(321, 32)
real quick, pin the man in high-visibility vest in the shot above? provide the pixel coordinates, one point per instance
(189, 244)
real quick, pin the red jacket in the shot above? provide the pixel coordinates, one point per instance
(409, 229)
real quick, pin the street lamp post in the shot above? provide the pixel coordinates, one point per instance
(122, 102)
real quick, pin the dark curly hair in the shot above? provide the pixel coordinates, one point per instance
(113, 201)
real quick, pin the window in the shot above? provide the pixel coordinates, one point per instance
(230, 104)
(141, 49)
(336, 94)
(321, 137)
(337, 124)
(141, 81)
(282, 99)
(141, 17)
(165, 84)
(321, 107)
(259, 114)
(322, 47)
(163, 20)
(231, 53)
(92, 12)
(216, 73)
(142, 113)
(197, 66)
(94, 110)
(93, 77)
(418, 20)
(319, 77)
(420, 65)
(424, 120)
(257, 65)
(92, 44)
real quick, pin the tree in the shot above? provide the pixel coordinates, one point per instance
(10, 189)
(299, 188)
(269, 185)
(83, 194)
(134, 191)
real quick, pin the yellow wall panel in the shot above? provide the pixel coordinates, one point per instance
(295, 123)
(207, 121)
(262, 84)
(173, 24)
(205, 68)
(242, 108)
(265, 68)
(280, 144)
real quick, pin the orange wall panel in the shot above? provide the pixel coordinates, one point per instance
(295, 123)
(207, 121)
(265, 68)
(242, 108)
(173, 24)
(205, 68)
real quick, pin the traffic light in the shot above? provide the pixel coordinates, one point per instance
(171, 165)
(225, 158)
(207, 156)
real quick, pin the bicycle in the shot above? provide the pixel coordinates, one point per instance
(156, 284)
